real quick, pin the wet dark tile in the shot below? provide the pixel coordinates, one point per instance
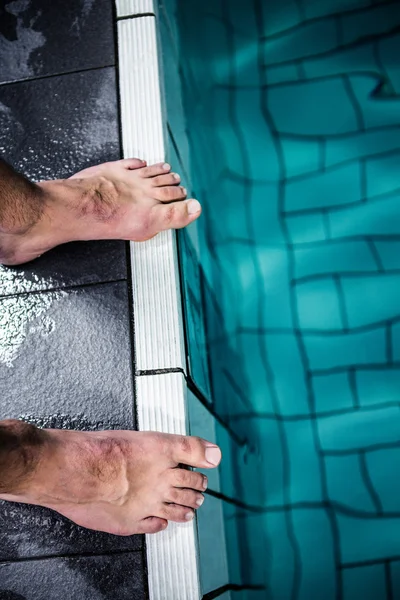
(108, 577)
(55, 127)
(68, 265)
(29, 531)
(67, 352)
(65, 362)
(43, 37)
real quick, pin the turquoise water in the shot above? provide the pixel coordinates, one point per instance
(284, 117)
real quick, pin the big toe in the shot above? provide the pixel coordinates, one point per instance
(174, 216)
(195, 452)
(152, 525)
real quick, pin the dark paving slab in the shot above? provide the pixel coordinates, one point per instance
(67, 352)
(108, 577)
(44, 37)
(50, 129)
(73, 264)
(53, 127)
(68, 265)
(30, 531)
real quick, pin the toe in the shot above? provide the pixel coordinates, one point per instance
(169, 193)
(132, 163)
(179, 514)
(195, 452)
(163, 180)
(184, 497)
(154, 170)
(174, 216)
(152, 525)
(182, 478)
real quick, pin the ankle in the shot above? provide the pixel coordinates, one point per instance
(37, 232)
(22, 449)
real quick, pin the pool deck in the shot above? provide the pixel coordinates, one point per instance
(66, 350)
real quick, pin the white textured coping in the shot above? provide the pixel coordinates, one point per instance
(126, 8)
(159, 340)
(171, 554)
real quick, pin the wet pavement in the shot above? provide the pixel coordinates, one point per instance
(65, 319)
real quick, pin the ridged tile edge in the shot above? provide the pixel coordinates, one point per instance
(126, 8)
(172, 554)
(159, 341)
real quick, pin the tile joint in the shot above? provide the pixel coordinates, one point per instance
(135, 16)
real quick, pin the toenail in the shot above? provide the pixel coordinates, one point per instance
(166, 167)
(189, 516)
(200, 501)
(213, 455)
(184, 190)
(176, 176)
(205, 483)
(194, 207)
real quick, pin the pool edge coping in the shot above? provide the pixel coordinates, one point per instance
(173, 570)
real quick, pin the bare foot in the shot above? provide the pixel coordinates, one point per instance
(121, 482)
(124, 200)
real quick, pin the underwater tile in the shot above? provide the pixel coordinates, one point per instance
(339, 185)
(382, 174)
(308, 40)
(367, 219)
(321, 108)
(319, 305)
(346, 349)
(303, 229)
(378, 385)
(356, 534)
(361, 145)
(343, 256)
(378, 294)
(355, 496)
(302, 157)
(280, 558)
(332, 392)
(395, 577)
(312, 530)
(366, 582)
(389, 254)
(305, 469)
(375, 20)
(382, 468)
(361, 429)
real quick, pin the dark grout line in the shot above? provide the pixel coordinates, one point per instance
(148, 372)
(233, 587)
(61, 288)
(367, 563)
(52, 75)
(139, 16)
(21, 559)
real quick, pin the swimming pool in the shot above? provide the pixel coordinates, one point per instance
(284, 118)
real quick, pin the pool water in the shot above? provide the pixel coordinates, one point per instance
(287, 128)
